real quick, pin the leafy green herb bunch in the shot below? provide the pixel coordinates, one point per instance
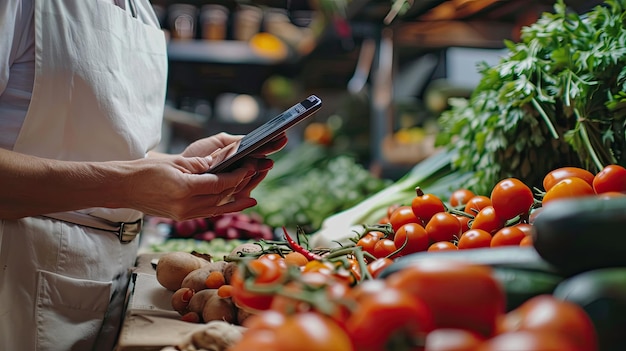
(556, 98)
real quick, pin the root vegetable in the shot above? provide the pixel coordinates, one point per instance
(196, 279)
(180, 299)
(229, 270)
(217, 336)
(173, 267)
(210, 307)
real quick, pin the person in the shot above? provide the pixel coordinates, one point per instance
(82, 90)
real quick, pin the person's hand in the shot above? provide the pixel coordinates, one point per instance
(257, 161)
(209, 145)
(176, 187)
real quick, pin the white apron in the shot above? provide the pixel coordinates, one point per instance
(98, 95)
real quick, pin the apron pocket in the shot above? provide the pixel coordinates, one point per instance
(69, 311)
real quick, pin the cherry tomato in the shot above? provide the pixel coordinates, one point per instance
(412, 238)
(384, 248)
(296, 259)
(511, 198)
(306, 331)
(568, 188)
(368, 242)
(401, 216)
(528, 341)
(559, 174)
(527, 228)
(547, 313)
(610, 178)
(460, 197)
(376, 267)
(527, 241)
(426, 205)
(477, 203)
(474, 238)
(465, 222)
(448, 339)
(488, 220)
(460, 294)
(392, 315)
(442, 246)
(507, 236)
(443, 226)
(260, 272)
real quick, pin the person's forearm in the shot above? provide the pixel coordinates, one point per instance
(33, 186)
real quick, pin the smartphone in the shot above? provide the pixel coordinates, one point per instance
(230, 156)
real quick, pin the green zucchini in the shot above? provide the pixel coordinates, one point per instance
(582, 234)
(602, 294)
(521, 271)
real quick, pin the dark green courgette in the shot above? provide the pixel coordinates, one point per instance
(521, 271)
(582, 234)
(602, 294)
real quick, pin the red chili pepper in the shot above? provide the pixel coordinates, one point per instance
(297, 248)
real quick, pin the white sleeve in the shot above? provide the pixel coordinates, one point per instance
(16, 16)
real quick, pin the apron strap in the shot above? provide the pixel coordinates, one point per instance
(125, 231)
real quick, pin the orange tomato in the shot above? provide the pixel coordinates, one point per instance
(568, 188)
(559, 174)
(473, 239)
(508, 236)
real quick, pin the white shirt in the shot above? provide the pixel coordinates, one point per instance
(17, 61)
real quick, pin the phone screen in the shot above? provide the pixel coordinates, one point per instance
(229, 156)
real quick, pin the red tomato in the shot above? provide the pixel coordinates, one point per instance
(460, 294)
(261, 272)
(508, 236)
(568, 188)
(473, 239)
(546, 313)
(488, 220)
(477, 203)
(511, 198)
(384, 248)
(411, 238)
(378, 266)
(527, 228)
(401, 216)
(443, 226)
(559, 174)
(610, 178)
(381, 317)
(368, 242)
(442, 246)
(426, 205)
(465, 222)
(528, 341)
(460, 197)
(306, 331)
(448, 339)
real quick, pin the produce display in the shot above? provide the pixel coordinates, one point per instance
(510, 239)
(308, 184)
(472, 272)
(555, 99)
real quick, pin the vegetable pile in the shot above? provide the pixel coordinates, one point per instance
(309, 183)
(487, 291)
(557, 98)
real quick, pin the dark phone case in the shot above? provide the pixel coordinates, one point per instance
(267, 132)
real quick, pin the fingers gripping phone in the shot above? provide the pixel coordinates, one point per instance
(230, 156)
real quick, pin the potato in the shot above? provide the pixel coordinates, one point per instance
(210, 307)
(196, 279)
(173, 267)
